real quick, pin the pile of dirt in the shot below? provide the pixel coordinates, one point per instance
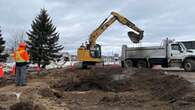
(163, 86)
(160, 85)
(27, 106)
(1, 108)
(5, 82)
(48, 92)
(135, 100)
(94, 79)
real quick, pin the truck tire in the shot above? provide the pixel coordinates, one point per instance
(128, 63)
(189, 65)
(122, 64)
(141, 64)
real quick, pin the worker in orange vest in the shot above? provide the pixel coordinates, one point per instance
(21, 58)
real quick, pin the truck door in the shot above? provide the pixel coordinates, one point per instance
(176, 53)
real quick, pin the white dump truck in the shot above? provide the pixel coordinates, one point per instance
(170, 54)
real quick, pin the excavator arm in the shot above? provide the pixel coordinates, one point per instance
(134, 36)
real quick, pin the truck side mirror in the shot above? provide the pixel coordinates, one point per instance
(181, 50)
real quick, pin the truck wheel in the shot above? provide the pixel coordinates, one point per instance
(141, 64)
(122, 64)
(189, 65)
(128, 64)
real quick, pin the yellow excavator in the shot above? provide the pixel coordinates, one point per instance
(90, 53)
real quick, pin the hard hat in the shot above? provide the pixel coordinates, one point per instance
(22, 44)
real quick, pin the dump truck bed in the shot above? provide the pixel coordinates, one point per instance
(143, 52)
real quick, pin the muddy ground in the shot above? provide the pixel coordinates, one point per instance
(108, 88)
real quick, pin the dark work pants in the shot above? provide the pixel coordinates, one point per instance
(21, 75)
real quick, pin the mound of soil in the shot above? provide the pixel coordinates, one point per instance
(27, 106)
(135, 100)
(48, 92)
(163, 86)
(160, 85)
(1, 108)
(4, 82)
(22, 106)
(94, 79)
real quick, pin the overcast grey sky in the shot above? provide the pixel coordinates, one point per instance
(76, 19)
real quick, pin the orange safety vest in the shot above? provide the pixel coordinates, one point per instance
(19, 56)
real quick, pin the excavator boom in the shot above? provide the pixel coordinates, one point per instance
(134, 36)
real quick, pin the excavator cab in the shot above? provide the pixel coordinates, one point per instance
(96, 51)
(89, 55)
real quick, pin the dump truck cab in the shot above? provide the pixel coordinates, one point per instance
(181, 56)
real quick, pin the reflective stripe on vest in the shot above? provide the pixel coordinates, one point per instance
(18, 56)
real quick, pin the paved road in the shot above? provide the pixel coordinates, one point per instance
(190, 76)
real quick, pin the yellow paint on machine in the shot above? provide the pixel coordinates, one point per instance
(84, 55)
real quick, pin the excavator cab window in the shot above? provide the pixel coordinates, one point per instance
(96, 52)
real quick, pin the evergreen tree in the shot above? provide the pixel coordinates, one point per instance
(43, 39)
(3, 55)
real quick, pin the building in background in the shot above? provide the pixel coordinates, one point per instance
(189, 44)
(68, 57)
(113, 59)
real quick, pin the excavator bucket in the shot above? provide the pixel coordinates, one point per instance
(135, 38)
